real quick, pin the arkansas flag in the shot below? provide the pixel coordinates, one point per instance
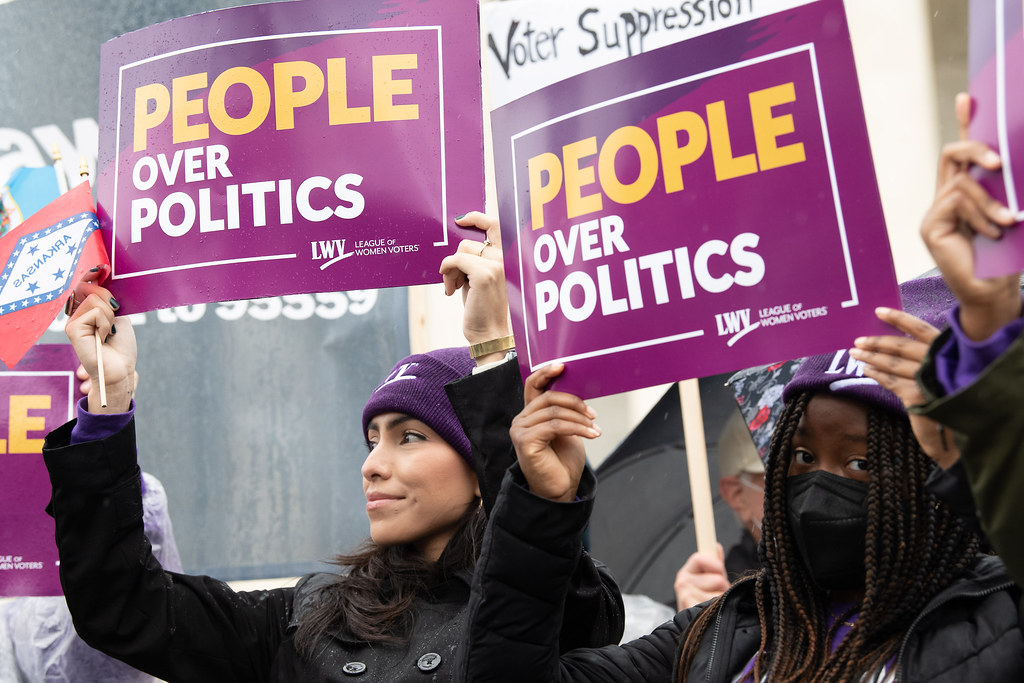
(41, 260)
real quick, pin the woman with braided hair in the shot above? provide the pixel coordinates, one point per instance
(866, 575)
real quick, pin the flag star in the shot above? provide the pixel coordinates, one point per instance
(33, 249)
(72, 249)
(59, 275)
(49, 296)
(38, 299)
(32, 287)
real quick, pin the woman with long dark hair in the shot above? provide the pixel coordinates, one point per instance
(396, 609)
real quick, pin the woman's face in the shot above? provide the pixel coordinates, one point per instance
(417, 486)
(832, 436)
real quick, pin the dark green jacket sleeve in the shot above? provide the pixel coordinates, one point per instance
(122, 602)
(988, 418)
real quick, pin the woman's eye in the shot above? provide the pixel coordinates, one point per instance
(858, 465)
(411, 437)
(370, 445)
(803, 457)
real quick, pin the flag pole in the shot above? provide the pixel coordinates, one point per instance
(58, 169)
(83, 173)
(697, 465)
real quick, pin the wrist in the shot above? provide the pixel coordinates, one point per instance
(491, 349)
(119, 397)
(979, 321)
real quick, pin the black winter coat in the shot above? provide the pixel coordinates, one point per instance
(195, 628)
(971, 631)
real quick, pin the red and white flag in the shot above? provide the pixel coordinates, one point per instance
(41, 260)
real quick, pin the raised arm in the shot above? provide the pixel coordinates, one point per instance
(488, 401)
(122, 602)
(532, 546)
(973, 376)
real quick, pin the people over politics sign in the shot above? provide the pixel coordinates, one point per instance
(703, 207)
(289, 147)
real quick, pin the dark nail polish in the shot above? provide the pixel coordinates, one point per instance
(113, 329)
(114, 304)
(68, 304)
(459, 218)
(94, 270)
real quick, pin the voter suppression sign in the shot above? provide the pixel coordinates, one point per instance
(700, 208)
(34, 400)
(289, 147)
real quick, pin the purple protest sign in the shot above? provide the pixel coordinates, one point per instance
(289, 147)
(34, 400)
(704, 207)
(995, 64)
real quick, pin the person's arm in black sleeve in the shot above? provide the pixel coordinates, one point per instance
(531, 548)
(173, 626)
(486, 403)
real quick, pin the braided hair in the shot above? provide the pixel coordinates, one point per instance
(914, 547)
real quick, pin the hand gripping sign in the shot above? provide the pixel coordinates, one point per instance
(696, 209)
(288, 147)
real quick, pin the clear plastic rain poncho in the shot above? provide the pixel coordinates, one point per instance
(38, 643)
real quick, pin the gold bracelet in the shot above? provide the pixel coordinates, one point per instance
(492, 346)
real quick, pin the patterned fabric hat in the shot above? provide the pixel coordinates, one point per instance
(415, 386)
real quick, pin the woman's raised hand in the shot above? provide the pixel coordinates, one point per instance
(893, 361)
(476, 268)
(91, 310)
(548, 436)
(961, 209)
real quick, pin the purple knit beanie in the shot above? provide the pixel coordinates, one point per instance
(837, 373)
(415, 386)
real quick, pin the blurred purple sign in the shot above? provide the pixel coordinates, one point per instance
(289, 147)
(704, 207)
(34, 400)
(996, 66)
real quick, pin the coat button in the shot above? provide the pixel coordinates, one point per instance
(428, 662)
(354, 668)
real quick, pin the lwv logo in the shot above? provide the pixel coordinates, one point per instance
(735, 323)
(326, 250)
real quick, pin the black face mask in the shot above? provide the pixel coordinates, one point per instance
(829, 516)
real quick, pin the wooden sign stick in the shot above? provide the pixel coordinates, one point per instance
(83, 173)
(697, 464)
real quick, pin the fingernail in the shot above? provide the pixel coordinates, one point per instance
(883, 310)
(459, 218)
(591, 413)
(113, 329)
(991, 158)
(595, 429)
(858, 341)
(94, 270)
(114, 304)
(1004, 214)
(68, 304)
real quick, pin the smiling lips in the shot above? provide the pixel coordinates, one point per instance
(379, 500)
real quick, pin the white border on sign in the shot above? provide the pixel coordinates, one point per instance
(281, 36)
(50, 373)
(807, 48)
(1003, 129)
